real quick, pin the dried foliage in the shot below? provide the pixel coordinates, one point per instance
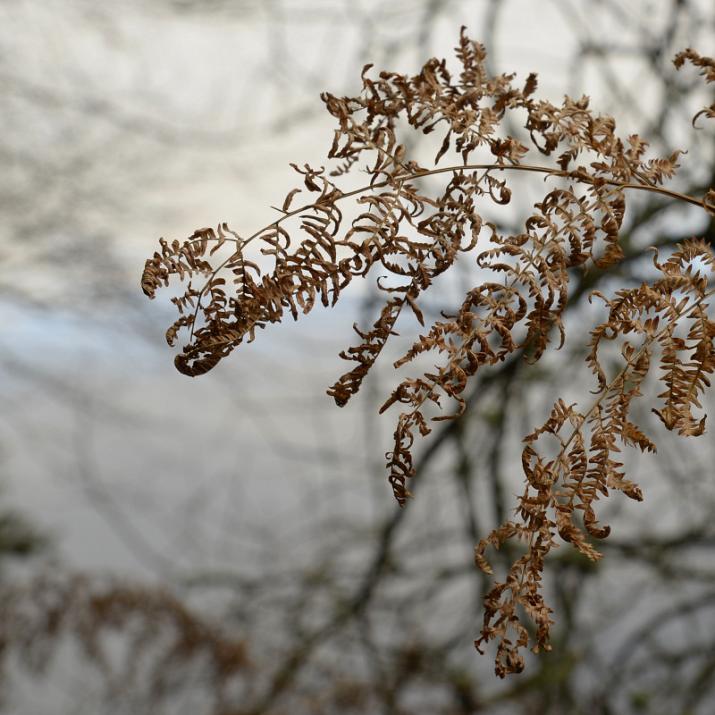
(413, 233)
(165, 641)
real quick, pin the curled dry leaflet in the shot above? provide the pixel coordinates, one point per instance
(415, 234)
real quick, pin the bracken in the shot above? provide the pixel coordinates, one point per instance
(415, 235)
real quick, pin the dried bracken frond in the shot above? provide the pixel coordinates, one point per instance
(586, 465)
(413, 233)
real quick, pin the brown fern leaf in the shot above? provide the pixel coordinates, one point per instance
(578, 476)
(687, 362)
(413, 223)
(452, 221)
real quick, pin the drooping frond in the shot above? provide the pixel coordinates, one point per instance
(413, 222)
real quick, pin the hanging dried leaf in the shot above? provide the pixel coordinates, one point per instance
(410, 235)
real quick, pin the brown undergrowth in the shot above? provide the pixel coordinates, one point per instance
(166, 641)
(413, 233)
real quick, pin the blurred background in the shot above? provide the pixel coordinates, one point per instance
(230, 544)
